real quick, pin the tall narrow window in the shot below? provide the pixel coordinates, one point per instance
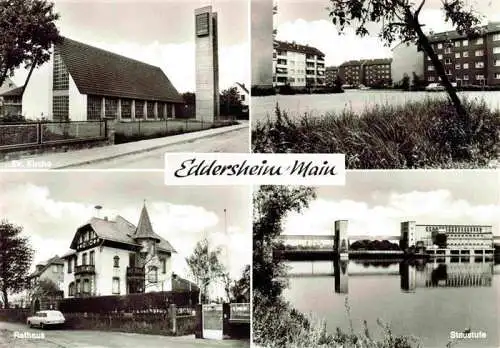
(86, 286)
(153, 274)
(92, 257)
(70, 268)
(71, 289)
(116, 286)
(116, 261)
(84, 259)
(163, 266)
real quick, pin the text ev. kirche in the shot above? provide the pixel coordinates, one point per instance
(192, 167)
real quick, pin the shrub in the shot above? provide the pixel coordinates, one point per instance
(276, 325)
(127, 303)
(424, 134)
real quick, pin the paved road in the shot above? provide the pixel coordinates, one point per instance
(235, 141)
(99, 339)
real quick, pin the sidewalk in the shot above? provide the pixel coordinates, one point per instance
(63, 160)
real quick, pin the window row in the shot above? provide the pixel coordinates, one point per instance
(112, 106)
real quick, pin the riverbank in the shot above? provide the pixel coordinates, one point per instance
(277, 324)
(421, 134)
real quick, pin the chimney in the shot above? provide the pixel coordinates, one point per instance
(97, 209)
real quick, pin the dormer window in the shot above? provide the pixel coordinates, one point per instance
(116, 262)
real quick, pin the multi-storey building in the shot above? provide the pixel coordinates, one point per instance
(117, 258)
(298, 65)
(467, 61)
(457, 236)
(81, 82)
(331, 73)
(51, 270)
(351, 72)
(376, 72)
(368, 72)
(407, 60)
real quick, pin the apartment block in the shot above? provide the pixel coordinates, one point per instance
(298, 65)
(467, 61)
(351, 72)
(368, 72)
(331, 73)
(377, 72)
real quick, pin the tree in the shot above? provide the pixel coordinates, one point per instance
(16, 256)
(240, 290)
(230, 102)
(399, 20)
(338, 82)
(405, 82)
(271, 205)
(441, 240)
(205, 266)
(27, 34)
(47, 290)
(418, 82)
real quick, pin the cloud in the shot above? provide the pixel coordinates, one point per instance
(431, 207)
(338, 48)
(323, 35)
(177, 61)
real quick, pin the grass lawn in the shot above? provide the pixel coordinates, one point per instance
(425, 134)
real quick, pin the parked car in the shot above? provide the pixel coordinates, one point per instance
(434, 87)
(45, 319)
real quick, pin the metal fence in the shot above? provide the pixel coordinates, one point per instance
(38, 133)
(239, 312)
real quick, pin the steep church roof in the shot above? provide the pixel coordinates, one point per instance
(99, 72)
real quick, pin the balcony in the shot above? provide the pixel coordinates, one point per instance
(85, 269)
(135, 272)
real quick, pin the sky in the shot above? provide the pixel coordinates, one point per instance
(376, 202)
(51, 206)
(307, 22)
(160, 33)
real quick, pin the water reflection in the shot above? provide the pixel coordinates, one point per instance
(416, 274)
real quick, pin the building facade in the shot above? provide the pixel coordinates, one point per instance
(207, 64)
(244, 95)
(407, 60)
(51, 270)
(82, 82)
(377, 72)
(117, 258)
(331, 73)
(351, 73)
(368, 72)
(11, 102)
(298, 66)
(457, 236)
(262, 42)
(467, 61)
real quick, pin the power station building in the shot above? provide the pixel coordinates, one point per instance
(466, 237)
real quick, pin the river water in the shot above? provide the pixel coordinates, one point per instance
(428, 300)
(356, 100)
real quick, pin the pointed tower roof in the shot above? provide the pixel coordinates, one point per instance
(144, 228)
